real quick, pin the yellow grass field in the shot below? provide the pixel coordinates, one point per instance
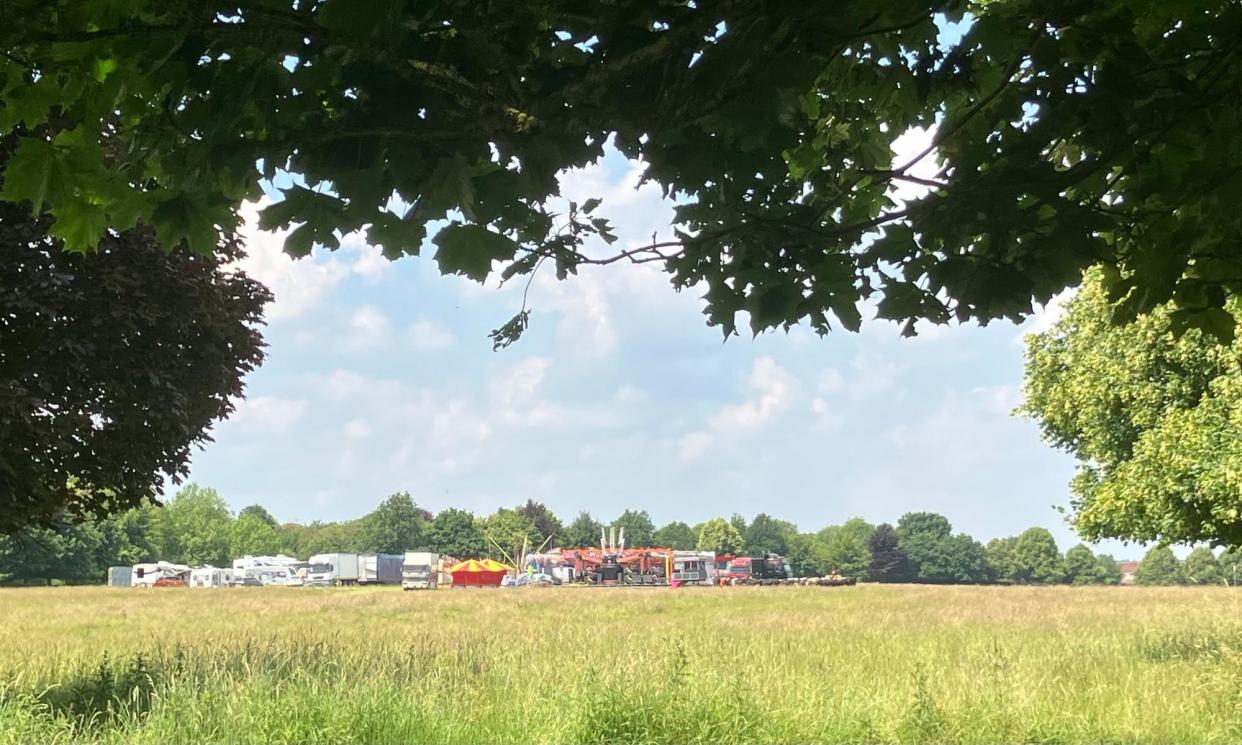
(549, 665)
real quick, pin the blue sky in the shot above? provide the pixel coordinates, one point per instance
(380, 377)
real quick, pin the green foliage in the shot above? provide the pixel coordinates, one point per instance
(71, 550)
(845, 548)
(889, 562)
(394, 527)
(505, 531)
(259, 512)
(721, 536)
(454, 532)
(1037, 559)
(676, 535)
(937, 555)
(1155, 420)
(1001, 559)
(1160, 567)
(250, 534)
(638, 527)
(766, 535)
(1085, 568)
(582, 532)
(547, 525)
(194, 527)
(114, 364)
(807, 556)
(1202, 567)
(1231, 566)
(775, 125)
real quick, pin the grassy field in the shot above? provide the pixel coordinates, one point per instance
(862, 664)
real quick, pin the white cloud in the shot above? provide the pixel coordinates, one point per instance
(357, 429)
(830, 381)
(774, 389)
(369, 261)
(368, 328)
(872, 374)
(427, 335)
(269, 413)
(297, 284)
(906, 147)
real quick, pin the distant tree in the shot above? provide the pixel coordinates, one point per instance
(193, 528)
(547, 524)
(582, 532)
(260, 512)
(845, 548)
(1160, 567)
(394, 527)
(1231, 566)
(923, 536)
(675, 535)
(1109, 570)
(1037, 559)
(455, 533)
(1202, 567)
(321, 538)
(889, 562)
(739, 524)
(638, 527)
(807, 556)
(967, 562)
(505, 531)
(250, 534)
(1001, 559)
(765, 535)
(721, 536)
(69, 550)
(1082, 567)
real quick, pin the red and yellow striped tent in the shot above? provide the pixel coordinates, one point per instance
(478, 573)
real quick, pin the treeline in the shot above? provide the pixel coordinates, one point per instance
(197, 527)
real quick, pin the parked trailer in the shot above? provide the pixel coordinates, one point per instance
(147, 574)
(380, 569)
(210, 576)
(420, 570)
(120, 576)
(334, 569)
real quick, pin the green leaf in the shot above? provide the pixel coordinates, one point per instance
(469, 250)
(29, 173)
(80, 227)
(397, 236)
(589, 205)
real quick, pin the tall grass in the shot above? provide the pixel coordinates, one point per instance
(698, 665)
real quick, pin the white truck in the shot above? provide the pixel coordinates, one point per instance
(420, 570)
(379, 569)
(328, 570)
(270, 570)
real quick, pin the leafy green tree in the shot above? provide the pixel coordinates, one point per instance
(1202, 567)
(582, 532)
(1082, 567)
(721, 536)
(505, 531)
(807, 555)
(1037, 559)
(547, 524)
(1231, 566)
(321, 538)
(739, 524)
(70, 550)
(1001, 559)
(1160, 567)
(1109, 571)
(250, 535)
(113, 393)
(193, 528)
(638, 527)
(260, 512)
(454, 532)
(766, 535)
(779, 136)
(845, 548)
(937, 555)
(394, 527)
(676, 535)
(1152, 417)
(889, 562)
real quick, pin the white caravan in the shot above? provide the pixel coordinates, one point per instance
(147, 574)
(210, 576)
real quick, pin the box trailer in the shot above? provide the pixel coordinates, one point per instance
(333, 569)
(380, 569)
(120, 576)
(420, 570)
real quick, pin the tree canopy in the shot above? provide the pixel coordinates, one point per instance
(1065, 135)
(394, 527)
(113, 365)
(721, 536)
(1154, 418)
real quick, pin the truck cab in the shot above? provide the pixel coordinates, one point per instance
(419, 571)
